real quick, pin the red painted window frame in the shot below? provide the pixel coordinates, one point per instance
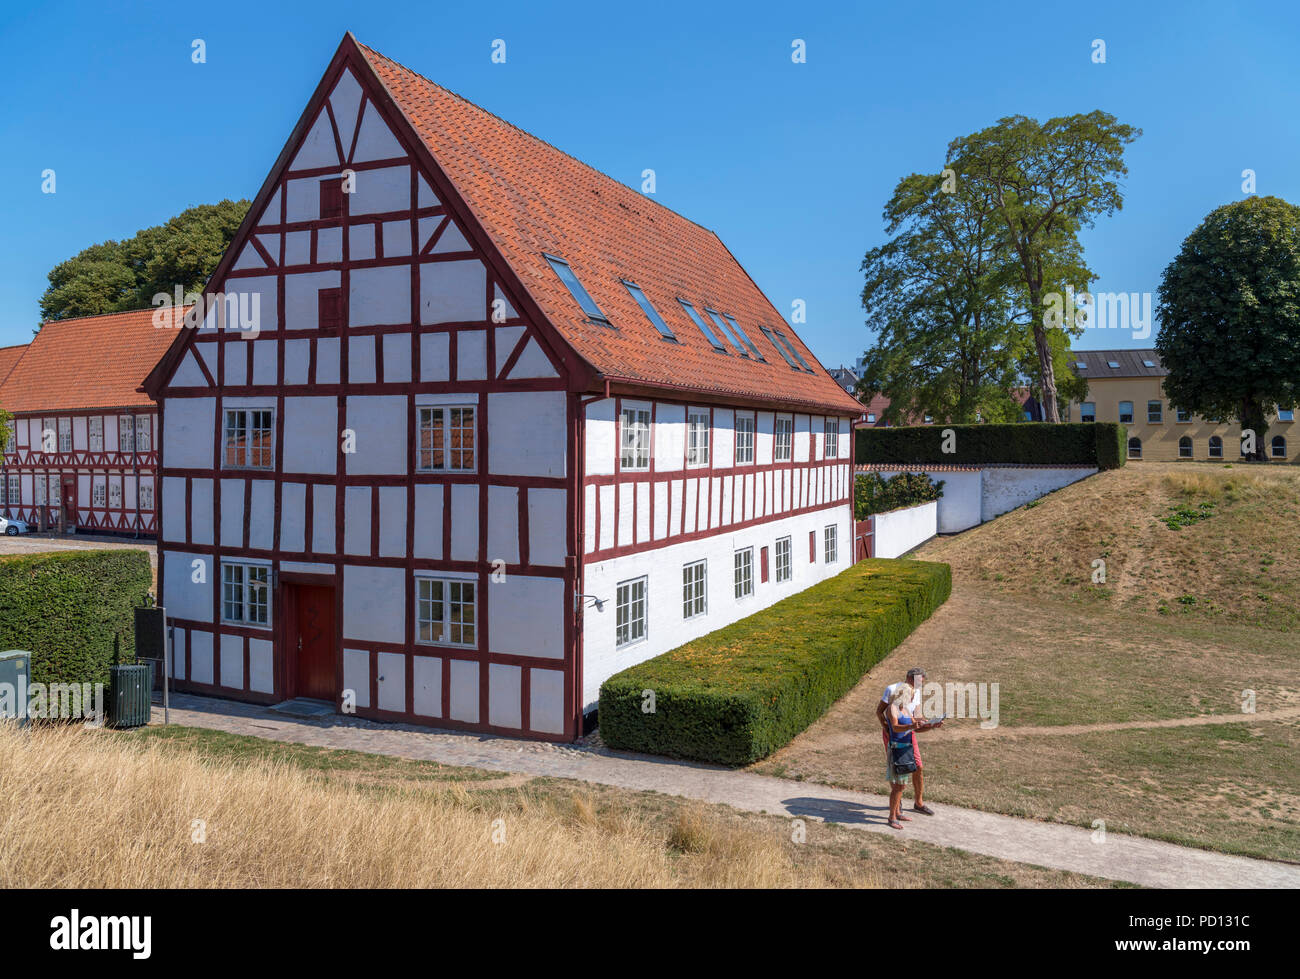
(812, 546)
(762, 564)
(329, 309)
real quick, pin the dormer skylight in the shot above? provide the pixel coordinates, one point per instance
(793, 352)
(651, 313)
(722, 328)
(704, 327)
(735, 328)
(1113, 364)
(780, 348)
(577, 290)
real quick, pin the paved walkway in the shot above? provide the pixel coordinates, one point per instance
(1128, 858)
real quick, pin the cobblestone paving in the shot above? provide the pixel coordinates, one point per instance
(1141, 861)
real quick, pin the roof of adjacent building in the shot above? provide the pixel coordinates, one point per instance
(1130, 363)
(9, 356)
(532, 199)
(89, 362)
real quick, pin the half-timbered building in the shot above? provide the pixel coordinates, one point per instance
(468, 426)
(81, 452)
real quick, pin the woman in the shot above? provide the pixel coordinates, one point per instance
(900, 748)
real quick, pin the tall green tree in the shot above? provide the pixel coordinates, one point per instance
(1048, 181)
(1229, 310)
(119, 275)
(937, 295)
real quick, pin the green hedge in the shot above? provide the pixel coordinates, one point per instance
(1100, 444)
(737, 694)
(872, 493)
(67, 607)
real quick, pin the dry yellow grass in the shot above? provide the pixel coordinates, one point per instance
(1241, 564)
(81, 809)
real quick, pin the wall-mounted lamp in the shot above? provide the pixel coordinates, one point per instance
(598, 602)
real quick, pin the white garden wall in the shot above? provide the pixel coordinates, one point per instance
(898, 531)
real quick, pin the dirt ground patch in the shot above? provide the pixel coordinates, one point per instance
(1096, 685)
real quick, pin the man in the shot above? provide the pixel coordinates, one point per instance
(915, 679)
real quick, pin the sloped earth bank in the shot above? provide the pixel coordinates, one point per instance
(1091, 678)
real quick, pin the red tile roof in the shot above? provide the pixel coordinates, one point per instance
(88, 362)
(9, 356)
(531, 198)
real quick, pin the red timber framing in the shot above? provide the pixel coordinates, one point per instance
(767, 491)
(87, 456)
(315, 527)
(318, 560)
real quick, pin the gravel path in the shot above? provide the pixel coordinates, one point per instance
(1128, 858)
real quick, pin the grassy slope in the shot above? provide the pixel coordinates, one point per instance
(1026, 615)
(398, 822)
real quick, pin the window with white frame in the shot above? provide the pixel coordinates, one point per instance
(744, 440)
(1286, 414)
(126, 433)
(1088, 411)
(783, 563)
(98, 493)
(115, 494)
(634, 439)
(15, 490)
(38, 484)
(697, 437)
(1155, 412)
(97, 433)
(245, 593)
(744, 573)
(249, 436)
(831, 541)
(11, 438)
(694, 589)
(1183, 415)
(54, 490)
(65, 434)
(143, 434)
(48, 440)
(630, 612)
(783, 446)
(446, 611)
(146, 495)
(831, 444)
(1126, 412)
(448, 434)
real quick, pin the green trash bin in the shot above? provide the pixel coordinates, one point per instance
(130, 694)
(15, 679)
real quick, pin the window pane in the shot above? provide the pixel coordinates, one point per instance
(576, 288)
(651, 313)
(704, 327)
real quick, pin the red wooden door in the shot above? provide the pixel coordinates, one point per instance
(69, 502)
(312, 643)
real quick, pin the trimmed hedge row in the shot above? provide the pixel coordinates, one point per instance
(1100, 444)
(737, 694)
(67, 607)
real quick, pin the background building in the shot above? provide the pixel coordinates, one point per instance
(82, 450)
(1127, 386)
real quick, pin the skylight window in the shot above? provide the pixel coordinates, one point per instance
(651, 313)
(704, 327)
(1148, 363)
(793, 352)
(1081, 365)
(722, 327)
(735, 328)
(779, 348)
(1113, 364)
(575, 287)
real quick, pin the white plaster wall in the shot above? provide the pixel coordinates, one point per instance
(666, 629)
(526, 616)
(898, 531)
(600, 432)
(379, 295)
(528, 434)
(453, 291)
(313, 423)
(188, 432)
(380, 426)
(1007, 488)
(184, 597)
(374, 604)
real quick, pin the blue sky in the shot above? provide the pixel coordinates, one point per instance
(789, 163)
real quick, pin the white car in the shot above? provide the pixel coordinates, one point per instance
(14, 526)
